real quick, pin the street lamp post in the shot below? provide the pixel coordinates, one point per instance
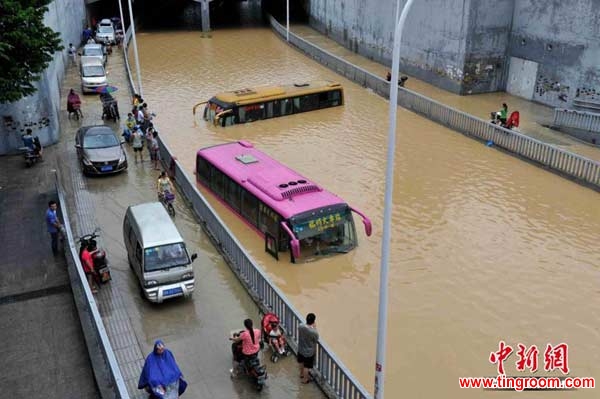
(287, 18)
(387, 210)
(122, 25)
(135, 51)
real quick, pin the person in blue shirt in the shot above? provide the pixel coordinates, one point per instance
(54, 225)
(161, 376)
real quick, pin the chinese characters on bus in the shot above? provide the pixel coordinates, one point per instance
(555, 357)
(325, 222)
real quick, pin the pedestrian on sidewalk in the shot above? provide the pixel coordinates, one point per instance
(73, 54)
(137, 143)
(161, 376)
(88, 267)
(153, 146)
(308, 336)
(54, 226)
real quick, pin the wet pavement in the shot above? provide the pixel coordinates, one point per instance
(534, 117)
(196, 329)
(44, 353)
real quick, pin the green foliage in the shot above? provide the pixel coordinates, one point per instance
(26, 47)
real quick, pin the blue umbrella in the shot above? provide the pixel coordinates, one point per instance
(106, 89)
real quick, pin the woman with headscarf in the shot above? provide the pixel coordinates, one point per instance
(161, 376)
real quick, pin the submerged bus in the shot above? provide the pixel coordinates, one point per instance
(248, 105)
(288, 210)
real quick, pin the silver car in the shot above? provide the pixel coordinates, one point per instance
(99, 150)
(94, 51)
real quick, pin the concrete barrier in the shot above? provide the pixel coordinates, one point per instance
(565, 163)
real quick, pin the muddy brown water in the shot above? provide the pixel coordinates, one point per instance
(485, 247)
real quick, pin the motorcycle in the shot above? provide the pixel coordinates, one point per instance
(249, 366)
(167, 198)
(512, 123)
(101, 268)
(32, 149)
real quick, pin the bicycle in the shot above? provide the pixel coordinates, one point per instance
(167, 198)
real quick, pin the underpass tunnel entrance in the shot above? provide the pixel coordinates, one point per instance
(187, 14)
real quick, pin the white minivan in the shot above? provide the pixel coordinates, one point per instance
(92, 74)
(157, 253)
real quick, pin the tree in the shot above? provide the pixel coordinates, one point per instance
(26, 47)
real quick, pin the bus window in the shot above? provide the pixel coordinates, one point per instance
(309, 102)
(286, 106)
(203, 171)
(241, 111)
(268, 219)
(277, 108)
(296, 101)
(249, 207)
(217, 182)
(329, 99)
(232, 194)
(269, 109)
(227, 120)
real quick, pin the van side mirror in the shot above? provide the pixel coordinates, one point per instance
(194, 256)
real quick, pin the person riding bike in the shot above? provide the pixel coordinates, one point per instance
(164, 185)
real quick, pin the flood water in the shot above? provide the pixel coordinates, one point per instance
(485, 247)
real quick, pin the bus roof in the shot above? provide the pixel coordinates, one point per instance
(266, 93)
(155, 225)
(284, 190)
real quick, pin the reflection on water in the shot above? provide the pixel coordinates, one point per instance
(485, 247)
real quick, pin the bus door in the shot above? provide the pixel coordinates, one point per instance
(271, 245)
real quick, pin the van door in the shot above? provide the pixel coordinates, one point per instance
(139, 264)
(271, 245)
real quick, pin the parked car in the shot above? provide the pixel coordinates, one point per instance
(93, 74)
(106, 22)
(105, 33)
(100, 150)
(94, 50)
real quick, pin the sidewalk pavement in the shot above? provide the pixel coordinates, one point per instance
(44, 351)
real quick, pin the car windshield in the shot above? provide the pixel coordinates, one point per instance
(93, 51)
(105, 29)
(91, 141)
(165, 256)
(93, 71)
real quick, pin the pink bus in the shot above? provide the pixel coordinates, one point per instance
(288, 210)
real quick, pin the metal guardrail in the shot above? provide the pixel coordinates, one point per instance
(577, 119)
(106, 369)
(331, 374)
(581, 169)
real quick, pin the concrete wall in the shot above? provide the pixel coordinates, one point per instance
(40, 110)
(565, 42)
(467, 46)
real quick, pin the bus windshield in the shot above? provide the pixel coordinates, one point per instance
(327, 232)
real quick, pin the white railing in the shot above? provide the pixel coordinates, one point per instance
(577, 119)
(581, 169)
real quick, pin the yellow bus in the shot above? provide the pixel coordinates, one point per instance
(249, 105)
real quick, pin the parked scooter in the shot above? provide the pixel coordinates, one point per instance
(250, 367)
(101, 269)
(32, 148)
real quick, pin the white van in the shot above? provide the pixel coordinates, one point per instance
(157, 253)
(92, 74)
